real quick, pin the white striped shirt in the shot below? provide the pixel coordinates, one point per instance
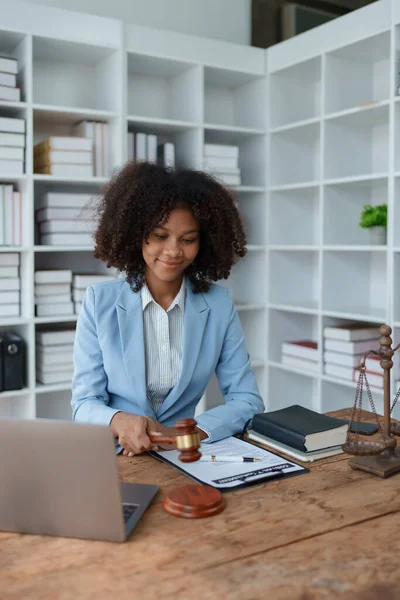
(163, 341)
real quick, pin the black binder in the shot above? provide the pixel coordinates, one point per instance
(13, 362)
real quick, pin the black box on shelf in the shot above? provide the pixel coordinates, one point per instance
(12, 361)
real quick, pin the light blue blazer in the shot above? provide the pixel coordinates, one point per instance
(109, 361)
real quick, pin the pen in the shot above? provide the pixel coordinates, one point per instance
(213, 458)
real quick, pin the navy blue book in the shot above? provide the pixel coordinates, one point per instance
(301, 428)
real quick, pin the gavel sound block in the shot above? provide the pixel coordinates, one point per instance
(189, 501)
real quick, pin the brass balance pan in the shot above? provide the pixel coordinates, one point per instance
(363, 448)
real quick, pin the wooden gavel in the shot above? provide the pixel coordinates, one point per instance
(187, 440)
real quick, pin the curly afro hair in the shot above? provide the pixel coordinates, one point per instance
(142, 195)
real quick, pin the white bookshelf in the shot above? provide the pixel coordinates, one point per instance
(316, 119)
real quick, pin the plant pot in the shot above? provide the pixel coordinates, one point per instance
(377, 236)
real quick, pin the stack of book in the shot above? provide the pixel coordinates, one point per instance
(10, 285)
(146, 147)
(8, 79)
(299, 432)
(62, 220)
(64, 157)
(81, 282)
(53, 293)
(301, 354)
(10, 216)
(223, 161)
(54, 355)
(99, 135)
(344, 347)
(12, 146)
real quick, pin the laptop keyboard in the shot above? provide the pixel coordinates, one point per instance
(128, 510)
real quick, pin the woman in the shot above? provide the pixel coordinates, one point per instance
(147, 346)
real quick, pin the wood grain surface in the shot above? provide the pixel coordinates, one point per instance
(330, 533)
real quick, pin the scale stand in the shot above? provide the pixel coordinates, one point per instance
(381, 458)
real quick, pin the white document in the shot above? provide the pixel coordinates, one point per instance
(226, 475)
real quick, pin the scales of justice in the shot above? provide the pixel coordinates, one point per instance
(381, 457)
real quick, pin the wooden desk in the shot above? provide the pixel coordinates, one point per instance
(331, 533)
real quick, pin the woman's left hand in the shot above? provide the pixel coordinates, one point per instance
(155, 427)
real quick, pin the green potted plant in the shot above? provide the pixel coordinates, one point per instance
(374, 218)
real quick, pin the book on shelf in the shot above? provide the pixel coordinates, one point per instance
(53, 299)
(12, 167)
(12, 153)
(70, 157)
(77, 307)
(60, 376)
(373, 364)
(70, 170)
(140, 146)
(12, 125)
(228, 179)
(339, 358)
(52, 289)
(152, 144)
(55, 336)
(272, 444)
(351, 347)
(78, 294)
(10, 283)
(300, 363)
(374, 379)
(130, 150)
(63, 143)
(8, 79)
(8, 65)
(10, 216)
(53, 276)
(50, 214)
(99, 135)
(9, 297)
(47, 359)
(55, 349)
(223, 163)
(9, 271)
(66, 239)
(166, 154)
(339, 371)
(13, 94)
(9, 310)
(65, 226)
(301, 428)
(62, 200)
(221, 150)
(12, 140)
(354, 332)
(301, 348)
(9, 259)
(83, 280)
(49, 310)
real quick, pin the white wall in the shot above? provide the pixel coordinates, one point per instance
(226, 20)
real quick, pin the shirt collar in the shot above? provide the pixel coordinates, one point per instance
(179, 299)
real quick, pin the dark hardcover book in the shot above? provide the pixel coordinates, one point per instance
(13, 361)
(301, 428)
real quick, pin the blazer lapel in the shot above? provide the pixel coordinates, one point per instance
(195, 320)
(130, 321)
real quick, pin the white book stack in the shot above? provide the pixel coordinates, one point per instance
(79, 284)
(300, 354)
(222, 160)
(53, 293)
(54, 356)
(10, 285)
(99, 135)
(10, 216)
(147, 147)
(344, 347)
(62, 220)
(64, 157)
(12, 146)
(8, 80)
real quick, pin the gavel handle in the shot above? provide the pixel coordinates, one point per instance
(162, 439)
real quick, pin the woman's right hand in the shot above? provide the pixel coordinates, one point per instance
(131, 431)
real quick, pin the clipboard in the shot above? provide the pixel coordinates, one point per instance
(233, 476)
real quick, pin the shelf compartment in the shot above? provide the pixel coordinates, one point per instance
(286, 388)
(249, 269)
(296, 93)
(252, 149)
(343, 204)
(287, 326)
(253, 324)
(75, 74)
(16, 45)
(234, 99)
(54, 404)
(163, 89)
(354, 283)
(358, 73)
(252, 208)
(396, 290)
(357, 144)
(294, 217)
(295, 155)
(187, 140)
(397, 134)
(17, 406)
(293, 279)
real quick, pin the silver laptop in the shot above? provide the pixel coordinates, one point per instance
(61, 478)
